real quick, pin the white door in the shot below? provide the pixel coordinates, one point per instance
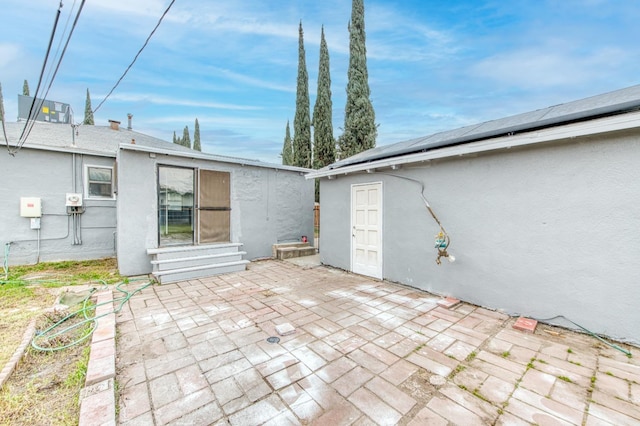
(366, 229)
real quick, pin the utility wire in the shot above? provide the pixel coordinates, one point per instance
(136, 57)
(4, 129)
(44, 65)
(55, 72)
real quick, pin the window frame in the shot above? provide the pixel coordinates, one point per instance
(87, 183)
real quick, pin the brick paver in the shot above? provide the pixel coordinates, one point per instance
(364, 352)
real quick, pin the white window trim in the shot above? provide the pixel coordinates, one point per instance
(86, 182)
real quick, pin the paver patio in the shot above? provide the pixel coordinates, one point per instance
(364, 352)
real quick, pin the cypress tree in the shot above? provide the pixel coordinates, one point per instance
(25, 88)
(360, 129)
(88, 112)
(287, 148)
(302, 122)
(324, 145)
(175, 139)
(196, 137)
(186, 140)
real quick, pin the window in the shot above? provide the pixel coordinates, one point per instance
(99, 182)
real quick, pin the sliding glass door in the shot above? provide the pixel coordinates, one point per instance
(175, 205)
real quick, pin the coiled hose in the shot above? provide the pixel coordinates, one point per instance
(52, 332)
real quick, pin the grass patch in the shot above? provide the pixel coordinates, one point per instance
(569, 351)
(506, 354)
(608, 373)
(565, 378)
(471, 356)
(29, 289)
(44, 390)
(57, 274)
(530, 364)
(575, 363)
(75, 379)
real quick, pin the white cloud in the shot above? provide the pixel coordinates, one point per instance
(9, 52)
(548, 66)
(163, 100)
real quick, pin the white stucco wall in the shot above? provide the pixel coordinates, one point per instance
(48, 175)
(267, 206)
(541, 231)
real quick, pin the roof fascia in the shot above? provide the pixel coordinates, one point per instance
(592, 127)
(210, 157)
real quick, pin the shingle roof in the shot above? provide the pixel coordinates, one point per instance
(104, 141)
(610, 103)
(90, 139)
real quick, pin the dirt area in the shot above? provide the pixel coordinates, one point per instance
(44, 388)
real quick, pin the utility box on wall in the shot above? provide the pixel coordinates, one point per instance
(30, 207)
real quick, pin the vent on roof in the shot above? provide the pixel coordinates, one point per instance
(115, 125)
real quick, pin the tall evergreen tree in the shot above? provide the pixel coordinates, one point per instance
(287, 148)
(88, 112)
(196, 137)
(175, 138)
(360, 129)
(25, 88)
(324, 144)
(186, 140)
(302, 122)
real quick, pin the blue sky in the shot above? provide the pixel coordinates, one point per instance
(433, 65)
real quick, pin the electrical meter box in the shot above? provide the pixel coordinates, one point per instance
(73, 200)
(30, 207)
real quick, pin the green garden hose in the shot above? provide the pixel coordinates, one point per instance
(89, 322)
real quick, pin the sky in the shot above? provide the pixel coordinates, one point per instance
(433, 65)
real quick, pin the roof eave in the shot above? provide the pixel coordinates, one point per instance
(592, 127)
(211, 157)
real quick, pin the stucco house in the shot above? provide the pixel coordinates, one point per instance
(87, 192)
(541, 212)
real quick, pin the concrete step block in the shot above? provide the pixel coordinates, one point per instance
(184, 274)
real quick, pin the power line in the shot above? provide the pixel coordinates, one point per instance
(55, 72)
(4, 129)
(44, 65)
(136, 57)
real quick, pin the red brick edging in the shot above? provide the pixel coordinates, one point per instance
(97, 399)
(17, 355)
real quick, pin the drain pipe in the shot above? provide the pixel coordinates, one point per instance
(5, 265)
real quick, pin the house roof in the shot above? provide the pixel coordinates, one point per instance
(604, 105)
(104, 141)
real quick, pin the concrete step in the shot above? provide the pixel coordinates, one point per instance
(295, 244)
(291, 252)
(194, 272)
(191, 261)
(165, 253)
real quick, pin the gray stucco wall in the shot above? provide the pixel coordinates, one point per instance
(544, 231)
(49, 176)
(267, 206)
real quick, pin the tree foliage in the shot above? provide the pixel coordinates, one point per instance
(25, 88)
(175, 139)
(360, 130)
(186, 139)
(196, 137)
(302, 122)
(287, 148)
(324, 144)
(88, 111)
